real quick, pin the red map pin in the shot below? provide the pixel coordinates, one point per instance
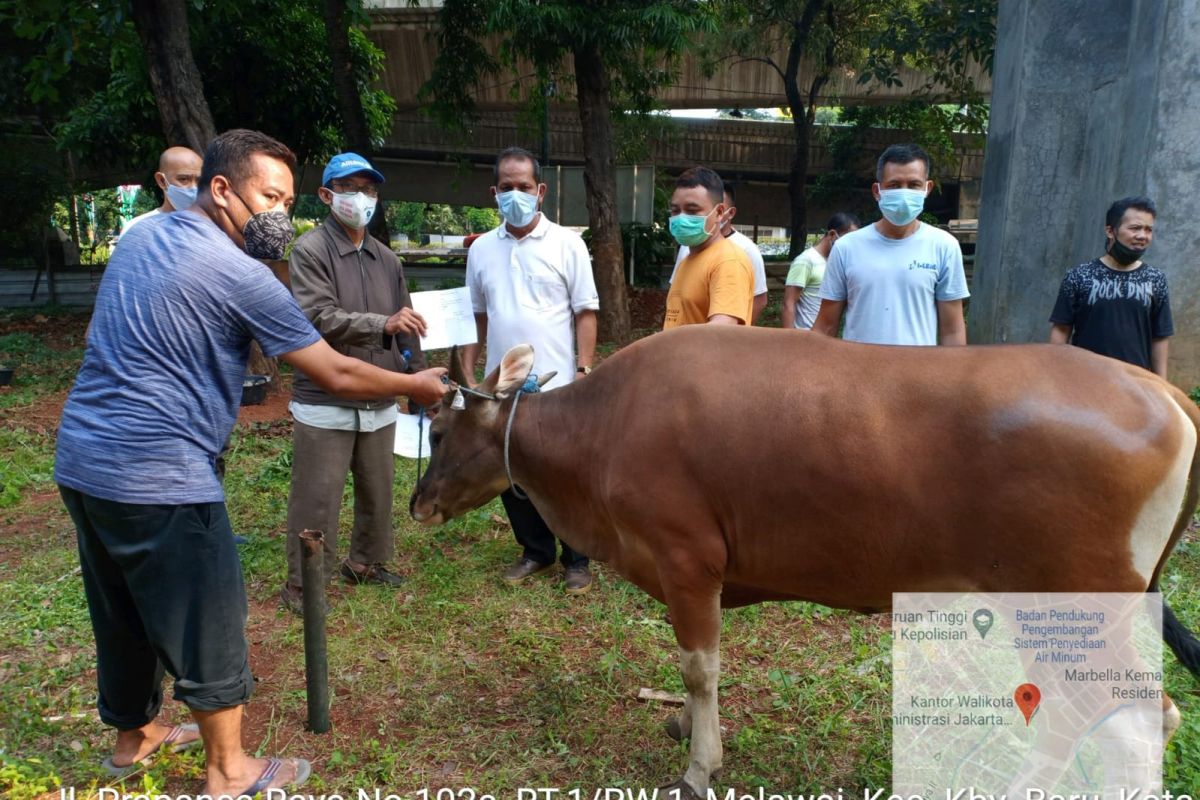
(1028, 697)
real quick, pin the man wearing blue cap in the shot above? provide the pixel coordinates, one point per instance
(351, 286)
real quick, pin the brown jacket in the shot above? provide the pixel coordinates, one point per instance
(348, 293)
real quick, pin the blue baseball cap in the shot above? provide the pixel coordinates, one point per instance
(344, 164)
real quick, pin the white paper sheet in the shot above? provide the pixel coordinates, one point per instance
(406, 436)
(448, 317)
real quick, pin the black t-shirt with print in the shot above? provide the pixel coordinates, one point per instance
(1115, 313)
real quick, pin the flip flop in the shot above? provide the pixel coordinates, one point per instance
(303, 770)
(168, 744)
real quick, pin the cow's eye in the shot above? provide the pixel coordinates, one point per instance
(434, 438)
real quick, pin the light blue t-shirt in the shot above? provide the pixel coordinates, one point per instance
(892, 286)
(161, 381)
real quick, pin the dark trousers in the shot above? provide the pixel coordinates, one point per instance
(535, 535)
(165, 593)
(320, 461)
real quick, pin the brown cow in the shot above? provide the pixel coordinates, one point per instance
(688, 464)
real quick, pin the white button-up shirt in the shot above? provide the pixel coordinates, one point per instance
(531, 289)
(342, 418)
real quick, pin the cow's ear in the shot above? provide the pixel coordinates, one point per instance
(514, 369)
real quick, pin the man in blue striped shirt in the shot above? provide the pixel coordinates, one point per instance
(155, 399)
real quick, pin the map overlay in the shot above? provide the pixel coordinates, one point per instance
(1027, 695)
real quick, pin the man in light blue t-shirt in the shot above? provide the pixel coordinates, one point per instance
(898, 281)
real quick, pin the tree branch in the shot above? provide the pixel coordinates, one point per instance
(770, 62)
(822, 76)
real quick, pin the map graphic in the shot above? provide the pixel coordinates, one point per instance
(1027, 695)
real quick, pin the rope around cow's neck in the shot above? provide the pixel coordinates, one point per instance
(530, 387)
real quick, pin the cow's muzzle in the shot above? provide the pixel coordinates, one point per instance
(423, 511)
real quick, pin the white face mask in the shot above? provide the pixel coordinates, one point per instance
(354, 209)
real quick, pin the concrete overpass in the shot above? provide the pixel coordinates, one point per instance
(406, 36)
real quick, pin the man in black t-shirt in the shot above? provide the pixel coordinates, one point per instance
(1116, 305)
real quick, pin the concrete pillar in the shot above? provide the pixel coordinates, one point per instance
(1090, 102)
(968, 199)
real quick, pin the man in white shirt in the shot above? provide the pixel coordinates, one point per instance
(748, 246)
(800, 299)
(177, 176)
(898, 281)
(531, 282)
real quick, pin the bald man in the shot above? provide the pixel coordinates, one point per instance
(178, 172)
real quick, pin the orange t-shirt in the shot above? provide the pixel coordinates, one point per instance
(715, 280)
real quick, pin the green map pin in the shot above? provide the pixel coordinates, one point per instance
(983, 621)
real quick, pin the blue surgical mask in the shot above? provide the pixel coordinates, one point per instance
(901, 206)
(690, 229)
(518, 208)
(181, 198)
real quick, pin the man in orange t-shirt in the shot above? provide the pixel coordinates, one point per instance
(715, 283)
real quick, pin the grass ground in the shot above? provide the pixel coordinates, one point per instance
(456, 680)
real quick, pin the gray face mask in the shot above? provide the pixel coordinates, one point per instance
(267, 233)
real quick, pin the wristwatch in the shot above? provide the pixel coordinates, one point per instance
(583, 370)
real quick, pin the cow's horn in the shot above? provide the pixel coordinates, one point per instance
(544, 379)
(457, 373)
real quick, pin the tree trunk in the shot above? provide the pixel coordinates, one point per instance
(600, 185)
(803, 117)
(162, 25)
(73, 215)
(259, 364)
(354, 117)
(797, 176)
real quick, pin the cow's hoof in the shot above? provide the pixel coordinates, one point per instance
(674, 729)
(679, 790)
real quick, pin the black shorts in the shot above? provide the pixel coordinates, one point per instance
(165, 592)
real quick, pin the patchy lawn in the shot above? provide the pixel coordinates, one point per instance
(456, 680)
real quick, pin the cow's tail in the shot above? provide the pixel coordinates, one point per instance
(1183, 642)
(1179, 638)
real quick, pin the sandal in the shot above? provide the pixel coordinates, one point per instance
(167, 745)
(303, 770)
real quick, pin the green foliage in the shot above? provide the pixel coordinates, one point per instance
(945, 39)
(414, 219)
(310, 207)
(30, 164)
(479, 220)
(27, 778)
(99, 216)
(652, 250)
(1195, 395)
(406, 218)
(264, 63)
(943, 130)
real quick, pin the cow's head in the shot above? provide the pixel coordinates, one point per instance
(466, 465)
